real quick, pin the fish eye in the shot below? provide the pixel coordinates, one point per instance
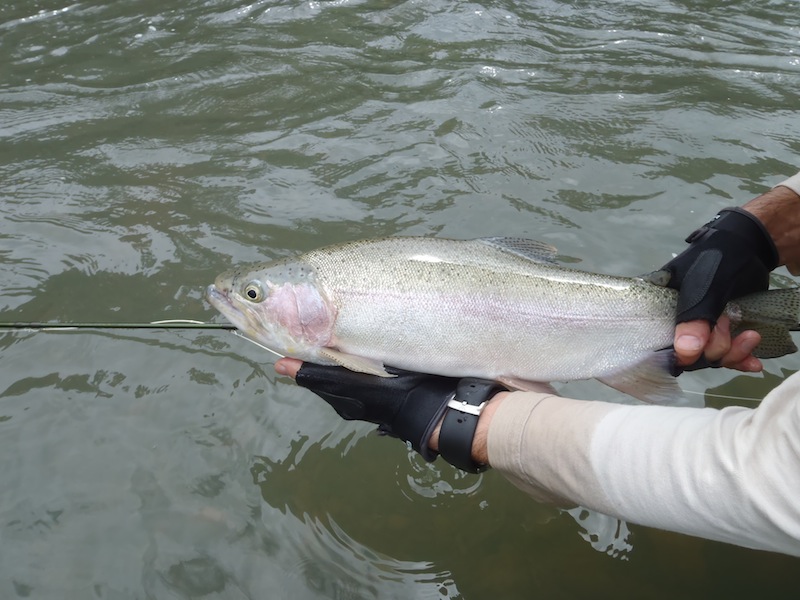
(254, 291)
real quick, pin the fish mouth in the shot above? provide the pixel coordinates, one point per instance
(222, 302)
(241, 319)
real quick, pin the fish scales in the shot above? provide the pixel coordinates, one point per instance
(466, 295)
(498, 308)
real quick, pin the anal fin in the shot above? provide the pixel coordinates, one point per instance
(650, 381)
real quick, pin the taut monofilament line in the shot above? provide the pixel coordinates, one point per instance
(167, 324)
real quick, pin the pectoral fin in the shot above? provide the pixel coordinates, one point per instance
(651, 382)
(356, 363)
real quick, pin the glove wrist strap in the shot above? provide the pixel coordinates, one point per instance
(746, 225)
(461, 420)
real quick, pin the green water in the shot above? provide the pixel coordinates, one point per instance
(146, 146)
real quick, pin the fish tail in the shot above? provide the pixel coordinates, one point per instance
(773, 314)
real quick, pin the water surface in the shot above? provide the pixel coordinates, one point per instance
(147, 146)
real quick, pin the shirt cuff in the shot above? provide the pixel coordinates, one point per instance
(793, 183)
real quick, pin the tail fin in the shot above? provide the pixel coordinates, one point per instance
(773, 314)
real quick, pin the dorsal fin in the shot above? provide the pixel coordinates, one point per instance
(524, 248)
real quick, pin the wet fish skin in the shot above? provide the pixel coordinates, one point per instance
(499, 308)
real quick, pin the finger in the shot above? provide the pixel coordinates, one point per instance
(288, 366)
(749, 365)
(690, 340)
(740, 356)
(719, 344)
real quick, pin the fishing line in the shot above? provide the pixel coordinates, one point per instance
(259, 344)
(165, 324)
(723, 396)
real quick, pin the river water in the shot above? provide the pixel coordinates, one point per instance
(146, 146)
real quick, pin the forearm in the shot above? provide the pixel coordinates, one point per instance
(779, 211)
(728, 475)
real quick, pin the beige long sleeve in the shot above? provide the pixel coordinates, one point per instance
(731, 475)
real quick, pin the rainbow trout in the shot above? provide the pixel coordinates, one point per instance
(498, 308)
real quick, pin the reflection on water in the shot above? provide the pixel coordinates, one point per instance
(604, 533)
(338, 566)
(435, 482)
(145, 147)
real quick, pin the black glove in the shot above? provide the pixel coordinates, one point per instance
(729, 257)
(408, 406)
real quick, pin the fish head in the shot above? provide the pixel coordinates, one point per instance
(278, 304)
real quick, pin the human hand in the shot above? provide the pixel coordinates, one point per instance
(410, 406)
(729, 257)
(696, 340)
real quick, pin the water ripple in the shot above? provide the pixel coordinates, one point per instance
(145, 147)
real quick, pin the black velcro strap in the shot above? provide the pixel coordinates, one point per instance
(458, 427)
(703, 271)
